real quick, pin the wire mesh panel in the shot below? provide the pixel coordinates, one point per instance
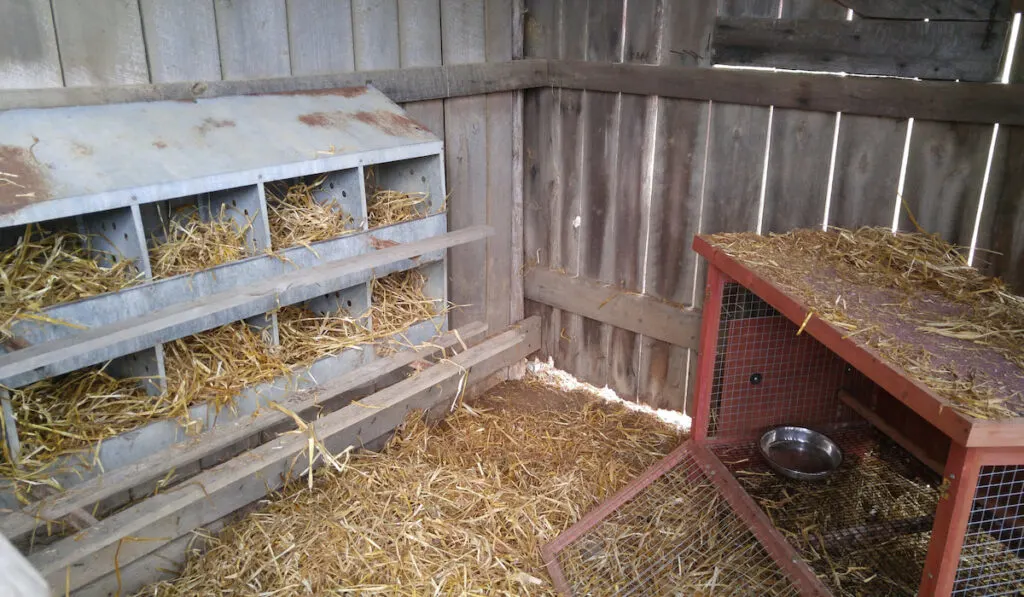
(992, 557)
(677, 536)
(766, 374)
(865, 530)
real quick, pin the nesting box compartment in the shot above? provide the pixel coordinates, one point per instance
(199, 163)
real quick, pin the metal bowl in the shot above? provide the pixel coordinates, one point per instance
(800, 453)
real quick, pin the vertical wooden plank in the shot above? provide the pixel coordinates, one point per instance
(28, 46)
(798, 169)
(320, 36)
(542, 189)
(181, 40)
(253, 38)
(419, 38)
(100, 43)
(732, 189)
(517, 294)
(678, 175)
(868, 159)
(599, 183)
(375, 34)
(801, 148)
(498, 48)
(1002, 229)
(945, 169)
(569, 157)
(465, 124)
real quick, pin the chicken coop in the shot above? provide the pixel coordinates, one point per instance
(261, 262)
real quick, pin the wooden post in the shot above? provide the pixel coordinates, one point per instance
(706, 355)
(951, 518)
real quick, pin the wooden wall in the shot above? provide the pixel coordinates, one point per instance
(616, 185)
(54, 43)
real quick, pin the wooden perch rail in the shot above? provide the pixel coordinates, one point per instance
(305, 404)
(139, 530)
(621, 308)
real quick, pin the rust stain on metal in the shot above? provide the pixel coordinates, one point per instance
(325, 119)
(381, 243)
(396, 125)
(212, 123)
(159, 145)
(338, 91)
(21, 179)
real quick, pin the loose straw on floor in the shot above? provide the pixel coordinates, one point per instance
(297, 218)
(459, 508)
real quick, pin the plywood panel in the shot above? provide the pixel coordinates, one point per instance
(798, 169)
(253, 38)
(678, 175)
(868, 159)
(320, 36)
(375, 34)
(100, 43)
(28, 46)
(945, 169)
(181, 40)
(465, 123)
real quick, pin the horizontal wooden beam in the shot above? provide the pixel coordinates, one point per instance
(401, 85)
(645, 315)
(935, 10)
(130, 335)
(965, 51)
(895, 434)
(306, 404)
(875, 96)
(141, 529)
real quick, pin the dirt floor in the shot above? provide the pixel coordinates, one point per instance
(458, 508)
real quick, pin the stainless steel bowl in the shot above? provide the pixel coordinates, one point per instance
(800, 453)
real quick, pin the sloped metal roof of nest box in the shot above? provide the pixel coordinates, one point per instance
(61, 162)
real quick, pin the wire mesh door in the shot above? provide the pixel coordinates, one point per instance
(992, 556)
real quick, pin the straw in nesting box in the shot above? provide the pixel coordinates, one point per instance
(216, 365)
(297, 218)
(307, 336)
(48, 268)
(458, 508)
(399, 302)
(910, 270)
(67, 414)
(387, 206)
(192, 244)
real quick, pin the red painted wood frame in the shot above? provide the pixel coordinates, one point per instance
(961, 429)
(711, 314)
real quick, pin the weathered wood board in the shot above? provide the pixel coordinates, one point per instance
(929, 50)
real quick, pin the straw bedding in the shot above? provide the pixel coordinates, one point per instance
(387, 206)
(297, 218)
(64, 415)
(910, 297)
(190, 244)
(461, 507)
(48, 268)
